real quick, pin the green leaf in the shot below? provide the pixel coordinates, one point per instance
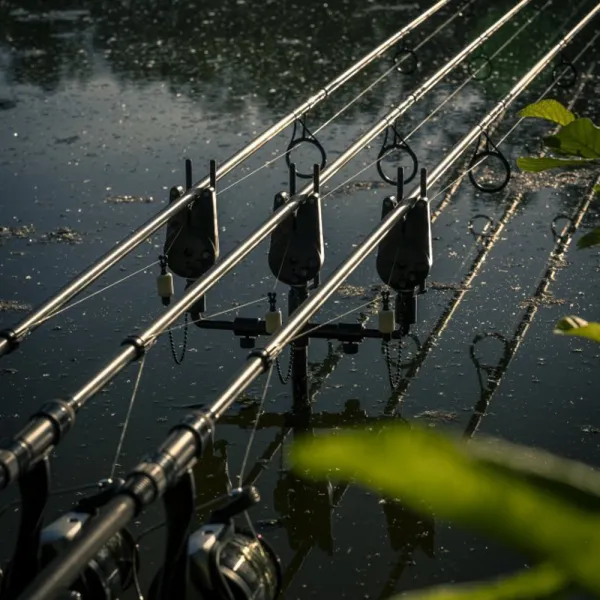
(571, 480)
(579, 327)
(579, 138)
(596, 189)
(543, 581)
(419, 466)
(590, 239)
(535, 165)
(551, 110)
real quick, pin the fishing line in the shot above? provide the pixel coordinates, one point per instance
(353, 310)
(247, 454)
(359, 96)
(59, 492)
(254, 428)
(472, 76)
(72, 305)
(127, 418)
(430, 116)
(136, 580)
(521, 119)
(397, 64)
(100, 291)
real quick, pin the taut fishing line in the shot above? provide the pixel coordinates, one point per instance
(127, 418)
(88, 297)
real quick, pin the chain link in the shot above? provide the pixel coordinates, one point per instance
(179, 360)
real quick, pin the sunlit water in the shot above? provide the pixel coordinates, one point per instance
(99, 101)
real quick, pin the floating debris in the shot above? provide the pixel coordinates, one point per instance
(351, 291)
(359, 185)
(63, 235)
(125, 199)
(545, 299)
(590, 429)
(437, 415)
(14, 305)
(68, 140)
(6, 104)
(21, 232)
(455, 287)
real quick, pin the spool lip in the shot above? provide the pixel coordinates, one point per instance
(275, 586)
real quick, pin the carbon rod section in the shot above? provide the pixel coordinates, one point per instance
(63, 570)
(13, 336)
(40, 433)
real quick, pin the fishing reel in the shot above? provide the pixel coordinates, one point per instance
(110, 573)
(225, 562)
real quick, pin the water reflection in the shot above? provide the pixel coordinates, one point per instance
(228, 51)
(305, 508)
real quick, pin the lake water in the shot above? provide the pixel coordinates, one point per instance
(102, 101)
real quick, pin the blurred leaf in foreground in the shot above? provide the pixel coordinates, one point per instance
(590, 239)
(577, 326)
(543, 581)
(420, 466)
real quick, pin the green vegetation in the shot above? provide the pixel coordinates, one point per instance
(544, 506)
(576, 144)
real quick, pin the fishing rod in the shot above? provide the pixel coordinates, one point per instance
(56, 418)
(168, 470)
(10, 338)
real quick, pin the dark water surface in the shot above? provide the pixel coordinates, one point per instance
(103, 100)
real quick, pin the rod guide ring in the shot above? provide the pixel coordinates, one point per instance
(485, 230)
(490, 150)
(397, 143)
(410, 55)
(480, 337)
(486, 67)
(305, 137)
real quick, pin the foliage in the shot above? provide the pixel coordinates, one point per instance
(577, 144)
(543, 505)
(549, 109)
(543, 581)
(579, 327)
